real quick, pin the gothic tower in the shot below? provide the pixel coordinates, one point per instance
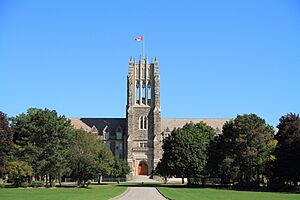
(143, 116)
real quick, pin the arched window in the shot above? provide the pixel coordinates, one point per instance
(145, 122)
(141, 122)
(149, 93)
(105, 132)
(144, 93)
(137, 92)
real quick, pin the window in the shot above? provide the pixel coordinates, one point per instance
(105, 133)
(143, 123)
(143, 145)
(166, 134)
(137, 92)
(144, 93)
(149, 94)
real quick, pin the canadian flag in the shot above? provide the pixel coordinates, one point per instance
(139, 38)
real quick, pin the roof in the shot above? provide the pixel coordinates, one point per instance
(100, 123)
(171, 123)
(166, 123)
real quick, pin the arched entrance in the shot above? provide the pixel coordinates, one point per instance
(143, 168)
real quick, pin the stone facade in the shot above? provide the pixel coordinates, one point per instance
(143, 115)
(137, 138)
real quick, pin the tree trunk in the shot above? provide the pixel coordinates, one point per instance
(59, 180)
(46, 180)
(99, 179)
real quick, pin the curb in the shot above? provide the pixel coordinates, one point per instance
(163, 194)
(120, 195)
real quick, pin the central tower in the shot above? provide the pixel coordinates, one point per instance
(143, 116)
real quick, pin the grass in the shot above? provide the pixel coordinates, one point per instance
(94, 192)
(218, 194)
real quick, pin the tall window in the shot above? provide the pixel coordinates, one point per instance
(143, 123)
(137, 92)
(144, 93)
(149, 93)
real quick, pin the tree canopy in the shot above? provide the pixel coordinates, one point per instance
(246, 145)
(185, 151)
(43, 139)
(6, 136)
(287, 152)
(89, 157)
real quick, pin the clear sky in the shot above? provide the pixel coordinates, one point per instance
(217, 59)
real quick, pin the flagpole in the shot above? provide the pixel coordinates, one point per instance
(143, 48)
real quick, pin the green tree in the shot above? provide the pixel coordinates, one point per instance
(246, 145)
(120, 169)
(287, 151)
(185, 151)
(6, 137)
(163, 170)
(88, 157)
(105, 162)
(19, 171)
(43, 139)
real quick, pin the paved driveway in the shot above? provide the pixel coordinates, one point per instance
(144, 193)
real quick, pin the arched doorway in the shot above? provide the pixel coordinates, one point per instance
(143, 168)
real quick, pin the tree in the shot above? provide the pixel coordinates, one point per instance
(105, 162)
(287, 151)
(6, 137)
(43, 139)
(19, 171)
(120, 169)
(163, 170)
(185, 152)
(88, 157)
(246, 145)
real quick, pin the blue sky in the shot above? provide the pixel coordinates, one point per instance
(217, 59)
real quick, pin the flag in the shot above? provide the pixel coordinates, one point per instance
(139, 38)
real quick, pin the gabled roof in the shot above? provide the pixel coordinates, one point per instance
(171, 123)
(99, 123)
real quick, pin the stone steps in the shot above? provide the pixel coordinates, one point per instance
(142, 178)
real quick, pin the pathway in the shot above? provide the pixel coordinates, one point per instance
(144, 193)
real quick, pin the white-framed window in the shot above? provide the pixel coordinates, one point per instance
(166, 134)
(105, 133)
(143, 123)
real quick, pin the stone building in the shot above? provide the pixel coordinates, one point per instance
(138, 138)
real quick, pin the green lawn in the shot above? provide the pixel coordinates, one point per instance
(218, 194)
(94, 193)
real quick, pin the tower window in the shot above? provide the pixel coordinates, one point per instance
(144, 93)
(137, 92)
(149, 94)
(143, 145)
(143, 123)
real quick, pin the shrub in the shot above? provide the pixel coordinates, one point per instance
(2, 185)
(24, 184)
(37, 183)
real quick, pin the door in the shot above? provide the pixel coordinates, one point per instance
(143, 168)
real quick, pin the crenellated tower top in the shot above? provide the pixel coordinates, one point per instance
(143, 78)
